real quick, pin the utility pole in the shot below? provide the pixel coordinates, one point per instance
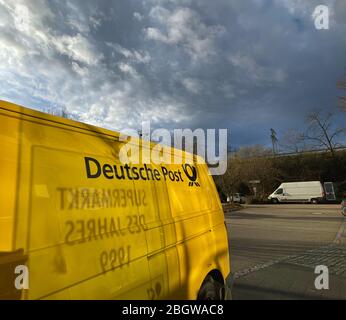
(274, 141)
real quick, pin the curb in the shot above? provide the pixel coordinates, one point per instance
(226, 209)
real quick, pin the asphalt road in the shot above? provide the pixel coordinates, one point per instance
(275, 249)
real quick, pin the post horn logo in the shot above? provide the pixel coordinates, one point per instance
(191, 173)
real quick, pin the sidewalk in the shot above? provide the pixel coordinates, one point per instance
(287, 281)
(293, 277)
(228, 207)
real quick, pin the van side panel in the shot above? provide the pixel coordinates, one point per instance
(299, 191)
(302, 191)
(76, 232)
(201, 235)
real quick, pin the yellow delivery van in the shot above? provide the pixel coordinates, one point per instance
(78, 223)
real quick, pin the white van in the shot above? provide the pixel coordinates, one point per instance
(237, 198)
(309, 191)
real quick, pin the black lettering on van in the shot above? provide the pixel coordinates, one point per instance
(133, 224)
(90, 198)
(128, 172)
(88, 169)
(103, 230)
(117, 257)
(112, 228)
(177, 177)
(107, 169)
(70, 226)
(144, 200)
(121, 230)
(91, 226)
(129, 195)
(157, 175)
(115, 195)
(74, 203)
(165, 172)
(129, 225)
(122, 198)
(135, 173)
(81, 231)
(141, 174)
(106, 198)
(86, 198)
(96, 203)
(142, 223)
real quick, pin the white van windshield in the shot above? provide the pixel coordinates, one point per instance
(279, 191)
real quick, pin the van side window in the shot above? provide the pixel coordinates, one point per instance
(279, 191)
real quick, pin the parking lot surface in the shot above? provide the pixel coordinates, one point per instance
(276, 248)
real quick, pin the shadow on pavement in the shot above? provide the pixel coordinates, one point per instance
(284, 281)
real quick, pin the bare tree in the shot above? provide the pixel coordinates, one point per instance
(253, 163)
(322, 133)
(253, 151)
(293, 141)
(229, 182)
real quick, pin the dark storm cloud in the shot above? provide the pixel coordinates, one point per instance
(243, 65)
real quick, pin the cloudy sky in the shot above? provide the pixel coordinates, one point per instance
(246, 65)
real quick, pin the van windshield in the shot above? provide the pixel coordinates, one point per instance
(279, 191)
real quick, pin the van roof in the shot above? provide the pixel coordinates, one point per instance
(301, 182)
(39, 115)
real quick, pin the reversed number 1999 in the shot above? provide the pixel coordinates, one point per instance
(110, 259)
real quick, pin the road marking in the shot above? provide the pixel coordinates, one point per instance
(317, 213)
(258, 267)
(331, 256)
(241, 273)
